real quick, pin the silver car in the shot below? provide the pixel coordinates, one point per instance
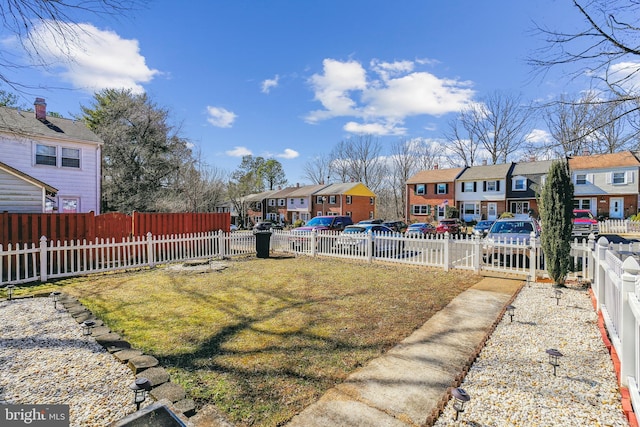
(508, 241)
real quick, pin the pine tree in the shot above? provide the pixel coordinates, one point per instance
(556, 213)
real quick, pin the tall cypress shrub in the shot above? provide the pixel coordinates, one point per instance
(556, 214)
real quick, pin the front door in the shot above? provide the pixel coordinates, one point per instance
(616, 208)
(492, 211)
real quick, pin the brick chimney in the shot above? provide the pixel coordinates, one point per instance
(41, 109)
(435, 166)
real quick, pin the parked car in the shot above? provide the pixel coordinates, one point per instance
(508, 241)
(398, 226)
(420, 229)
(233, 227)
(263, 226)
(451, 226)
(322, 223)
(370, 221)
(584, 223)
(481, 229)
(354, 239)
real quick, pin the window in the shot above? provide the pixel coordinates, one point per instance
(318, 213)
(301, 201)
(291, 201)
(420, 209)
(441, 188)
(372, 200)
(259, 206)
(332, 200)
(272, 202)
(468, 187)
(519, 184)
(519, 207)
(421, 189)
(70, 158)
(282, 202)
(69, 205)
(582, 204)
(618, 178)
(581, 179)
(370, 214)
(45, 155)
(319, 199)
(348, 213)
(349, 200)
(491, 186)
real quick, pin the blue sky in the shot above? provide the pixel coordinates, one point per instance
(290, 79)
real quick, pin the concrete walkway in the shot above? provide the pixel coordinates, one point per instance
(405, 386)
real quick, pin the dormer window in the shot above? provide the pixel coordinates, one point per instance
(519, 184)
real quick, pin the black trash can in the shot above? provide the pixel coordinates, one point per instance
(263, 239)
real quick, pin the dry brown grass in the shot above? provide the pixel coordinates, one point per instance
(264, 338)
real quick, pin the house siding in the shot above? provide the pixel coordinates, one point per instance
(19, 196)
(82, 183)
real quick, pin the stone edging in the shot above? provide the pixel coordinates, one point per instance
(162, 389)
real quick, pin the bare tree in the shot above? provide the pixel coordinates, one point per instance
(403, 164)
(605, 50)
(360, 159)
(428, 154)
(318, 169)
(27, 20)
(462, 143)
(499, 123)
(570, 122)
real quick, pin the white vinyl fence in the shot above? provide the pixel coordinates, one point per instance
(616, 286)
(54, 259)
(619, 226)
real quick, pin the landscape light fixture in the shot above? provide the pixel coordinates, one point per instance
(558, 295)
(55, 296)
(461, 398)
(510, 311)
(554, 356)
(140, 387)
(10, 291)
(86, 326)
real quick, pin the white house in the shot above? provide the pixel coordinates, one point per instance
(481, 191)
(49, 164)
(606, 184)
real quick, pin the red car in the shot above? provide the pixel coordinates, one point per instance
(451, 226)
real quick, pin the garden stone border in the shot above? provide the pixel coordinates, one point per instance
(162, 389)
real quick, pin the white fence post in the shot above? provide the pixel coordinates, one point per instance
(446, 244)
(43, 259)
(477, 253)
(150, 252)
(600, 272)
(533, 256)
(314, 242)
(369, 249)
(219, 238)
(627, 332)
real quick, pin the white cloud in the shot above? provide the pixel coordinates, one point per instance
(238, 152)
(625, 75)
(288, 153)
(374, 129)
(93, 59)
(270, 83)
(383, 102)
(539, 136)
(333, 87)
(220, 117)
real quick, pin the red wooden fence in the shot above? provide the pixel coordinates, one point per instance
(28, 228)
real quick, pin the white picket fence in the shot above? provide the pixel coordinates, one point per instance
(616, 287)
(619, 226)
(55, 259)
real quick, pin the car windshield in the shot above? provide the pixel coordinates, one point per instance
(485, 223)
(514, 227)
(318, 221)
(351, 229)
(583, 215)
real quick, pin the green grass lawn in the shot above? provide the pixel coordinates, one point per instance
(264, 338)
